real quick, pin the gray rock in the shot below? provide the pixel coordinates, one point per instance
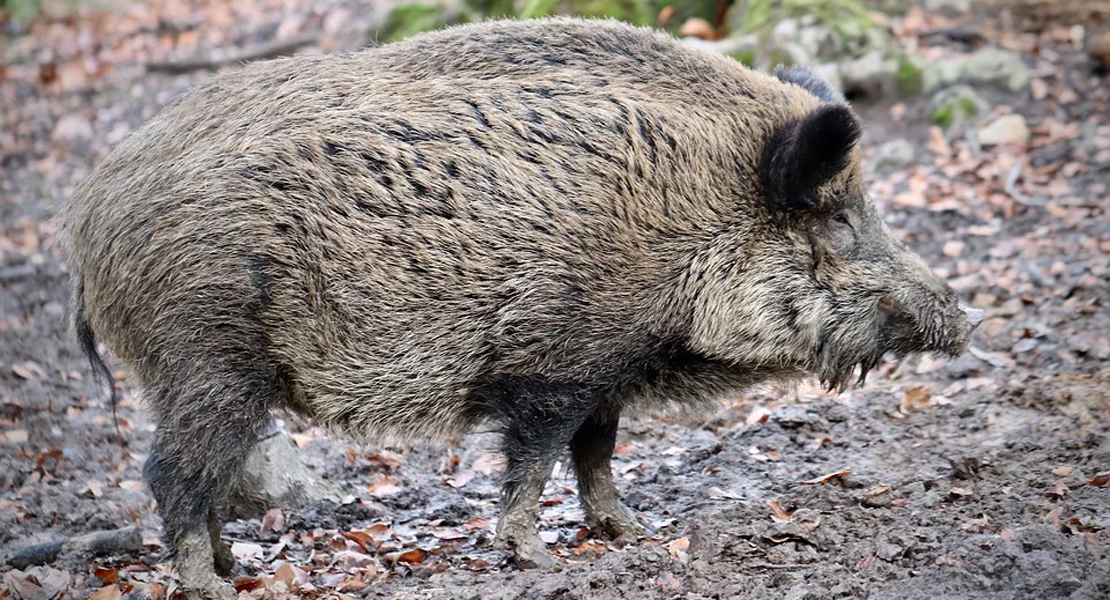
(872, 75)
(996, 66)
(948, 5)
(785, 32)
(830, 72)
(894, 154)
(821, 42)
(274, 475)
(1003, 130)
(729, 45)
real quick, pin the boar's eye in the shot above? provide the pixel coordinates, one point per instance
(839, 233)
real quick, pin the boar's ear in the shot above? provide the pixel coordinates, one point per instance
(804, 153)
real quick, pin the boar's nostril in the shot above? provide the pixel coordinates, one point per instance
(974, 315)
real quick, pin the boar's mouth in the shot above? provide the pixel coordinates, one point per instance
(893, 328)
(941, 330)
(843, 348)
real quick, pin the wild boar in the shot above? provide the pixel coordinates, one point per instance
(537, 224)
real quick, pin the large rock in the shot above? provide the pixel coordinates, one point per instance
(274, 476)
(871, 75)
(996, 66)
(1004, 130)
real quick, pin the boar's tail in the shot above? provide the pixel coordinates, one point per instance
(87, 340)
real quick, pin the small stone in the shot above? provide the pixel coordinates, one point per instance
(1004, 130)
(877, 497)
(71, 129)
(698, 28)
(895, 153)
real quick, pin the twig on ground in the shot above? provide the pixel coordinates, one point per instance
(1011, 187)
(97, 543)
(215, 60)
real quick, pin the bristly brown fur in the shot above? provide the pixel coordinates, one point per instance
(535, 223)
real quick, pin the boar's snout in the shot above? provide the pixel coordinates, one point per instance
(927, 316)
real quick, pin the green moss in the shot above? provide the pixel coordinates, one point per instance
(761, 16)
(943, 116)
(745, 57)
(908, 78)
(21, 10)
(410, 19)
(968, 106)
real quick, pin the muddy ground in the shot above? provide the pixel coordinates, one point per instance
(982, 477)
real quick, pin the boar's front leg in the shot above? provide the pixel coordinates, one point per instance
(539, 421)
(591, 448)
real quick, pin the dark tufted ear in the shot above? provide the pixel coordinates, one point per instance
(805, 153)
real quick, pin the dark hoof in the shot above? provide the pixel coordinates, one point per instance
(225, 562)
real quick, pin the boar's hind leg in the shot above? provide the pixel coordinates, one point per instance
(539, 419)
(206, 428)
(591, 448)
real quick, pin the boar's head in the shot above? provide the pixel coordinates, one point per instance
(817, 283)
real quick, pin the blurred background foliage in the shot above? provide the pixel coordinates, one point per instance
(707, 19)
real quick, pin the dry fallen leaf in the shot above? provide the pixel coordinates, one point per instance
(477, 524)
(591, 549)
(108, 592)
(877, 496)
(1101, 479)
(246, 583)
(678, 547)
(916, 399)
(668, 580)
(29, 371)
(273, 520)
(290, 575)
(938, 143)
(1060, 491)
(958, 494)
(384, 486)
(413, 556)
(353, 560)
(826, 478)
(1062, 471)
(778, 513)
(108, 575)
(978, 525)
(362, 538)
(759, 414)
(14, 436)
(462, 478)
